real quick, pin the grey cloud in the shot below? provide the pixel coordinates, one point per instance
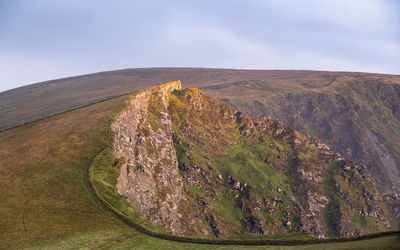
(51, 39)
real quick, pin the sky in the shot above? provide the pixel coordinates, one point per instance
(46, 39)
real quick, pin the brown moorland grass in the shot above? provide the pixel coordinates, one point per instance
(40, 100)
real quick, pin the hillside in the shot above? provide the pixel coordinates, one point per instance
(45, 202)
(356, 114)
(43, 165)
(36, 101)
(40, 100)
(200, 167)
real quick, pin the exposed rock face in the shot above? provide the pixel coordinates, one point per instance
(199, 166)
(149, 176)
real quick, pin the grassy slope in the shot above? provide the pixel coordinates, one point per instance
(44, 201)
(253, 162)
(42, 169)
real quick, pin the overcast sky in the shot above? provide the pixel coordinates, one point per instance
(46, 39)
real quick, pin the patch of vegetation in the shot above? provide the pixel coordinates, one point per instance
(227, 207)
(294, 236)
(154, 108)
(245, 162)
(181, 155)
(332, 211)
(344, 192)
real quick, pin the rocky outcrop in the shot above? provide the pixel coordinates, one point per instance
(199, 166)
(149, 176)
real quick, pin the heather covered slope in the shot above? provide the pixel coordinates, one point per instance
(200, 167)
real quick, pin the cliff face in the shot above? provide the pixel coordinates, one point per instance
(149, 175)
(201, 167)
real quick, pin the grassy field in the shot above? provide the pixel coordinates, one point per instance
(45, 203)
(135, 240)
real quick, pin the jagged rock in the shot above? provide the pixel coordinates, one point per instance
(213, 224)
(253, 224)
(236, 185)
(159, 129)
(143, 194)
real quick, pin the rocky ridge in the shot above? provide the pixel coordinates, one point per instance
(198, 166)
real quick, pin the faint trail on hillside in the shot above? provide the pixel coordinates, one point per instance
(332, 81)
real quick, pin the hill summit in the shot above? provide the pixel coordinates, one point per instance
(201, 167)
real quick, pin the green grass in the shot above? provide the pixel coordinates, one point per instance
(245, 163)
(227, 208)
(332, 212)
(143, 242)
(288, 236)
(154, 108)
